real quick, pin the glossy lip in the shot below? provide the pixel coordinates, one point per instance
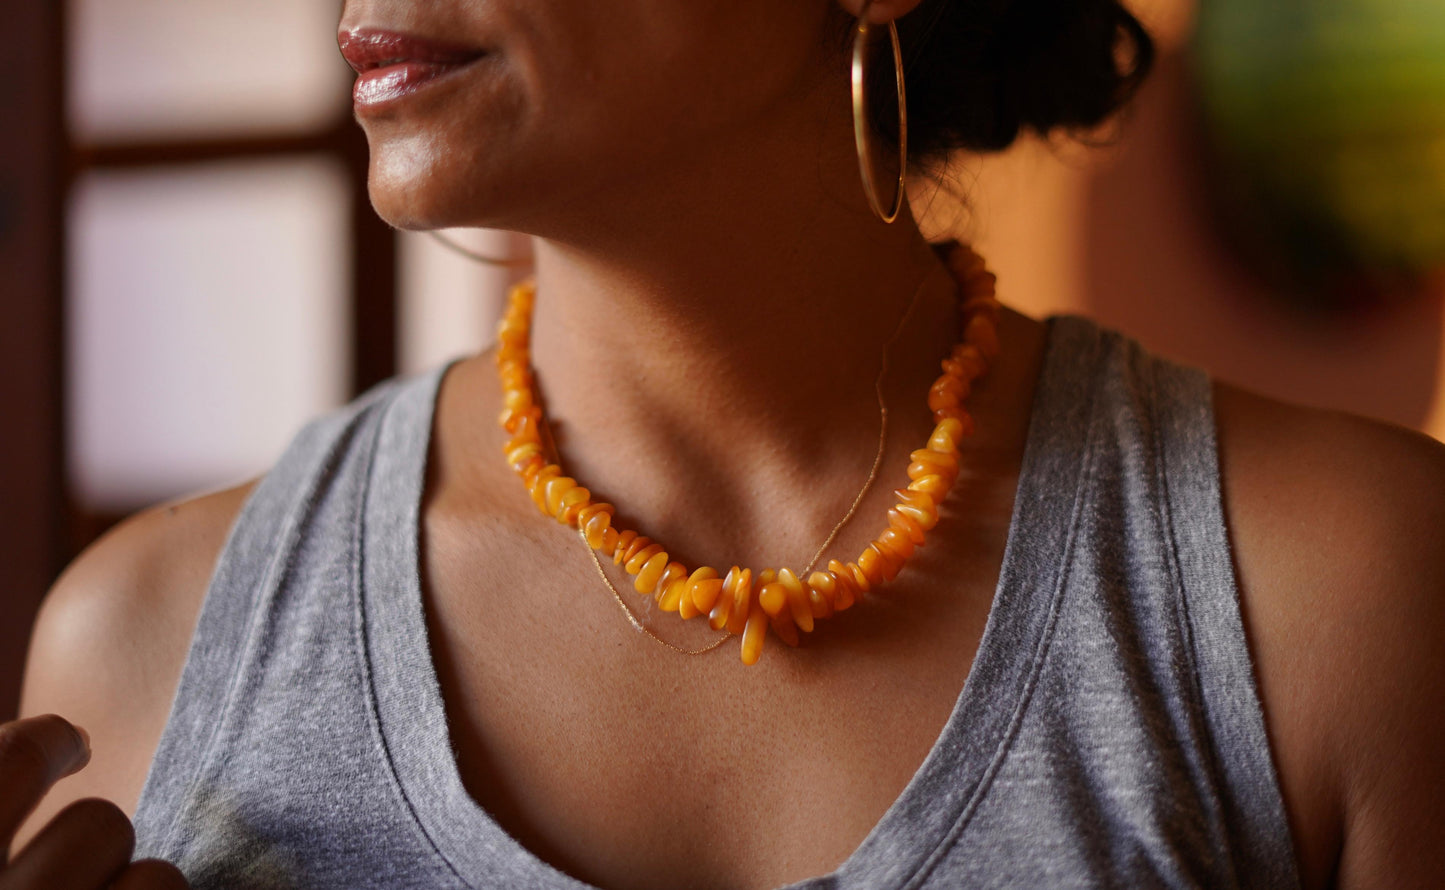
(391, 66)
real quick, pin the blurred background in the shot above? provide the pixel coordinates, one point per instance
(189, 268)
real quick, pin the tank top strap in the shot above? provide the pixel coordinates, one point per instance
(1190, 499)
(321, 466)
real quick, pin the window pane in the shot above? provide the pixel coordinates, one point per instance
(449, 304)
(207, 321)
(164, 68)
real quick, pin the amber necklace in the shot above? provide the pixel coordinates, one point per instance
(739, 602)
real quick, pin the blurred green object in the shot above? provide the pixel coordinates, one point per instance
(1326, 120)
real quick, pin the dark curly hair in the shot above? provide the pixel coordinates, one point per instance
(980, 71)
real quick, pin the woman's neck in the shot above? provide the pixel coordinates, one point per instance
(709, 331)
(734, 364)
(771, 333)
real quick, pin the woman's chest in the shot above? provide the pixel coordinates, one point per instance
(627, 764)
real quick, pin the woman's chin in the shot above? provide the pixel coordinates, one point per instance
(401, 213)
(423, 203)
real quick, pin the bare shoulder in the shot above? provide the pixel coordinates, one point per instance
(111, 639)
(1338, 530)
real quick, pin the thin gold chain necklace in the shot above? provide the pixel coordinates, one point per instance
(832, 534)
(783, 601)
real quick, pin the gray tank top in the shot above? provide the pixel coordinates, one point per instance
(1109, 735)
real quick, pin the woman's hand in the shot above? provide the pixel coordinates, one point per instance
(89, 844)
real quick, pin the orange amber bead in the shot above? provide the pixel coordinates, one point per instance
(703, 588)
(586, 513)
(745, 598)
(552, 491)
(938, 401)
(845, 591)
(825, 585)
(529, 475)
(671, 589)
(649, 571)
(609, 542)
(675, 571)
(755, 629)
(797, 595)
(573, 502)
(877, 565)
(738, 592)
(945, 436)
(521, 452)
(965, 422)
(909, 496)
(634, 547)
(686, 608)
(982, 333)
(773, 598)
(934, 486)
(539, 485)
(860, 581)
(670, 600)
(624, 541)
(892, 563)
(820, 605)
(951, 384)
(639, 559)
(894, 541)
(967, 355)
(954, 368)
(512, 330)
(871, 563)
(926, 517)
(942, 462)
(717, 619)
(531, 463)
(918, 469)
(595, 528)
(519, 400)
(784, 629)
(516, 375)
(906, 524)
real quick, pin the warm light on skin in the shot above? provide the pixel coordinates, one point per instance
(639, 90)
(645, 91)
(701, 186)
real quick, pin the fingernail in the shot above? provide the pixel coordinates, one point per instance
(84, 738)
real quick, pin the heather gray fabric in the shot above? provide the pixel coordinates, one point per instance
(1109, 735)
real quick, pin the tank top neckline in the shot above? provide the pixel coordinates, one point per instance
(935, 806)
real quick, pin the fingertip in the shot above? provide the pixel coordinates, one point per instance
(82, 759)
(48, 742)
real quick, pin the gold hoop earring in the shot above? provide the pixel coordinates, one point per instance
(860, 118)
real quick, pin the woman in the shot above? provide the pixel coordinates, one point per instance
(1162, 633)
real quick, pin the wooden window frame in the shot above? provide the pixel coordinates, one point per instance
(41, 525)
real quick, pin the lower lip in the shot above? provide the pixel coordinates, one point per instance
(381, 87)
